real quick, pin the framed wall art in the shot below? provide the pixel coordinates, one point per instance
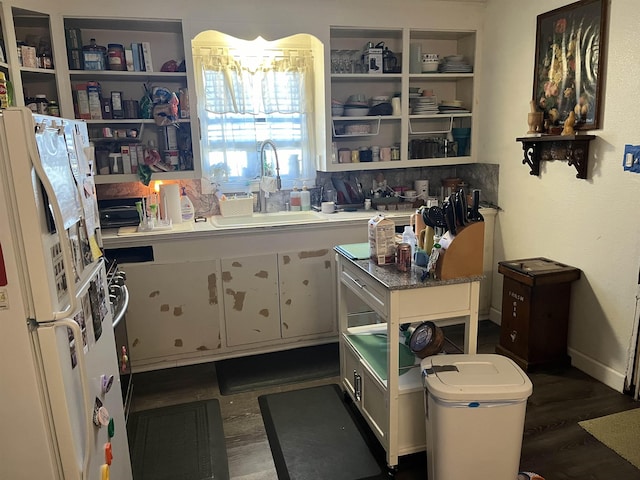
(570, 51)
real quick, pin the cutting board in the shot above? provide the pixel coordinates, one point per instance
(355, 251)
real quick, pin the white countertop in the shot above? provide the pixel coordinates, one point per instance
(130, 236)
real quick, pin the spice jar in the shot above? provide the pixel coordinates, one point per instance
(54, 109)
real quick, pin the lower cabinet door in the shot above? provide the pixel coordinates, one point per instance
(250, 294)
(307, 297)
(174, 310)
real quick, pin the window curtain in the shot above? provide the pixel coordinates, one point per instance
(277, 82)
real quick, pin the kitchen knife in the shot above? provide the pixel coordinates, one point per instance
(475, 215)
(457, 207)
(449, 216)
(465, 207)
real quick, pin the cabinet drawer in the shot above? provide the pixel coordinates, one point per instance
(365, 287)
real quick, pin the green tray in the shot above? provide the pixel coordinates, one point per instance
(373, 347)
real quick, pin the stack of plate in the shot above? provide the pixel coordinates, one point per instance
(452, 106)
(424, 105)
(454, 64)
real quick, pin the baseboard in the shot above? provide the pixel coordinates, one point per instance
(495, 316)
(597, 370)
(588, 365)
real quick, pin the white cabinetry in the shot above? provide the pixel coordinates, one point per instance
(166, 42)
(31, 29)
(377, 371)
(174, 311)
(278, 296)
(251, 305)
(307, 296)
(424, 138)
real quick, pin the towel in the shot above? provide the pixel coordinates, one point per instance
(268, 185)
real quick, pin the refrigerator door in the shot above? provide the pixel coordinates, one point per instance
(71, 354)
(61, 281)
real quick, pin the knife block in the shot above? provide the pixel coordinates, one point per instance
(463, 257)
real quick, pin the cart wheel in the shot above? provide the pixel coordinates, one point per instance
(391, 471)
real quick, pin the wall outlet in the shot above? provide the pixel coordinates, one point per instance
(206, 187)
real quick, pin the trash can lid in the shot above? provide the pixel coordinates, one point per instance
(474, 377)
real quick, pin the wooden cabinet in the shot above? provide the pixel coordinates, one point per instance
(174, 312)
(278, 296)
(378, 371)
(111, 131)
(442, 135)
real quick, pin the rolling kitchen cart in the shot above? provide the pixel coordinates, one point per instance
(380, 373)
(536, 294)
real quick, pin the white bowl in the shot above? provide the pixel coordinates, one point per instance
(337, 111)
(356, 112)
(429, 67)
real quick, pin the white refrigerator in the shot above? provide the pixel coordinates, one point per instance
(61, 411)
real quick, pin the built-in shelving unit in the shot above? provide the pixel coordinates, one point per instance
(166, 42)
(424, 138)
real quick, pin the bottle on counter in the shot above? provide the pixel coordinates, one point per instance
(305, 199)
(186, 206)
(295, 200)
(408, 236)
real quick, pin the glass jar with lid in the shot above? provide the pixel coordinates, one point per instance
(42, 104)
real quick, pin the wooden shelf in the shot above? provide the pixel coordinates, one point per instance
(572, 148)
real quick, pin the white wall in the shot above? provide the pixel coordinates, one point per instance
(591, 224)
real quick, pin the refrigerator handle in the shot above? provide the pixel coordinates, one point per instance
(65, 242)
(84, 382)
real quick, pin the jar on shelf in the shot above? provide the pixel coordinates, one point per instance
(116, 57)
(42, 104)
(54, 109)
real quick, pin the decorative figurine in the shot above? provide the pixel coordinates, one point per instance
(535, 119)
(568, 125)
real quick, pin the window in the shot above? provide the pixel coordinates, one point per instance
(253, 91)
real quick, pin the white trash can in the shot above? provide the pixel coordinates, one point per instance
(475, 408)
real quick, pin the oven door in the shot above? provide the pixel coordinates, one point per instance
(121, 303)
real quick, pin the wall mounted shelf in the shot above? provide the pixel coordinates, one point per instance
(572, 148)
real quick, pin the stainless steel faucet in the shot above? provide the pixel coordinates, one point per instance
(261, 194)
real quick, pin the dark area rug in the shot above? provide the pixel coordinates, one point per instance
(178, 442)
(243, 374)
(313, 435)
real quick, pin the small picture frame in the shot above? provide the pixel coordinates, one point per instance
(569, 63)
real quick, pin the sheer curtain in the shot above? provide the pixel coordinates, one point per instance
(249, 97)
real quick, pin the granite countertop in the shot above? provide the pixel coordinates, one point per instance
(392, 279)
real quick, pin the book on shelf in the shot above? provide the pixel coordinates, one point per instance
(128, 56)
(136, 52)
(81, 101)
(146, 55)
(95, 101)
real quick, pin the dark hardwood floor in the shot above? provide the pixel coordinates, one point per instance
(554, 445)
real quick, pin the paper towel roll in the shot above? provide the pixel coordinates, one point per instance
(170, 202)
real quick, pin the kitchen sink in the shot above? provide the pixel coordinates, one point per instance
(265, 219)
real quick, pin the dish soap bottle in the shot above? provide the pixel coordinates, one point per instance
(186, 206)
(305, 198)
(295, 201)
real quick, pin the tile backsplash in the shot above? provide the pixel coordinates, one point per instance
(480, 175)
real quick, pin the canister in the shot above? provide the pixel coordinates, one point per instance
(115, 55)
(403, 257)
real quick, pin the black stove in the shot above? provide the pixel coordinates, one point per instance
(119, 299)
